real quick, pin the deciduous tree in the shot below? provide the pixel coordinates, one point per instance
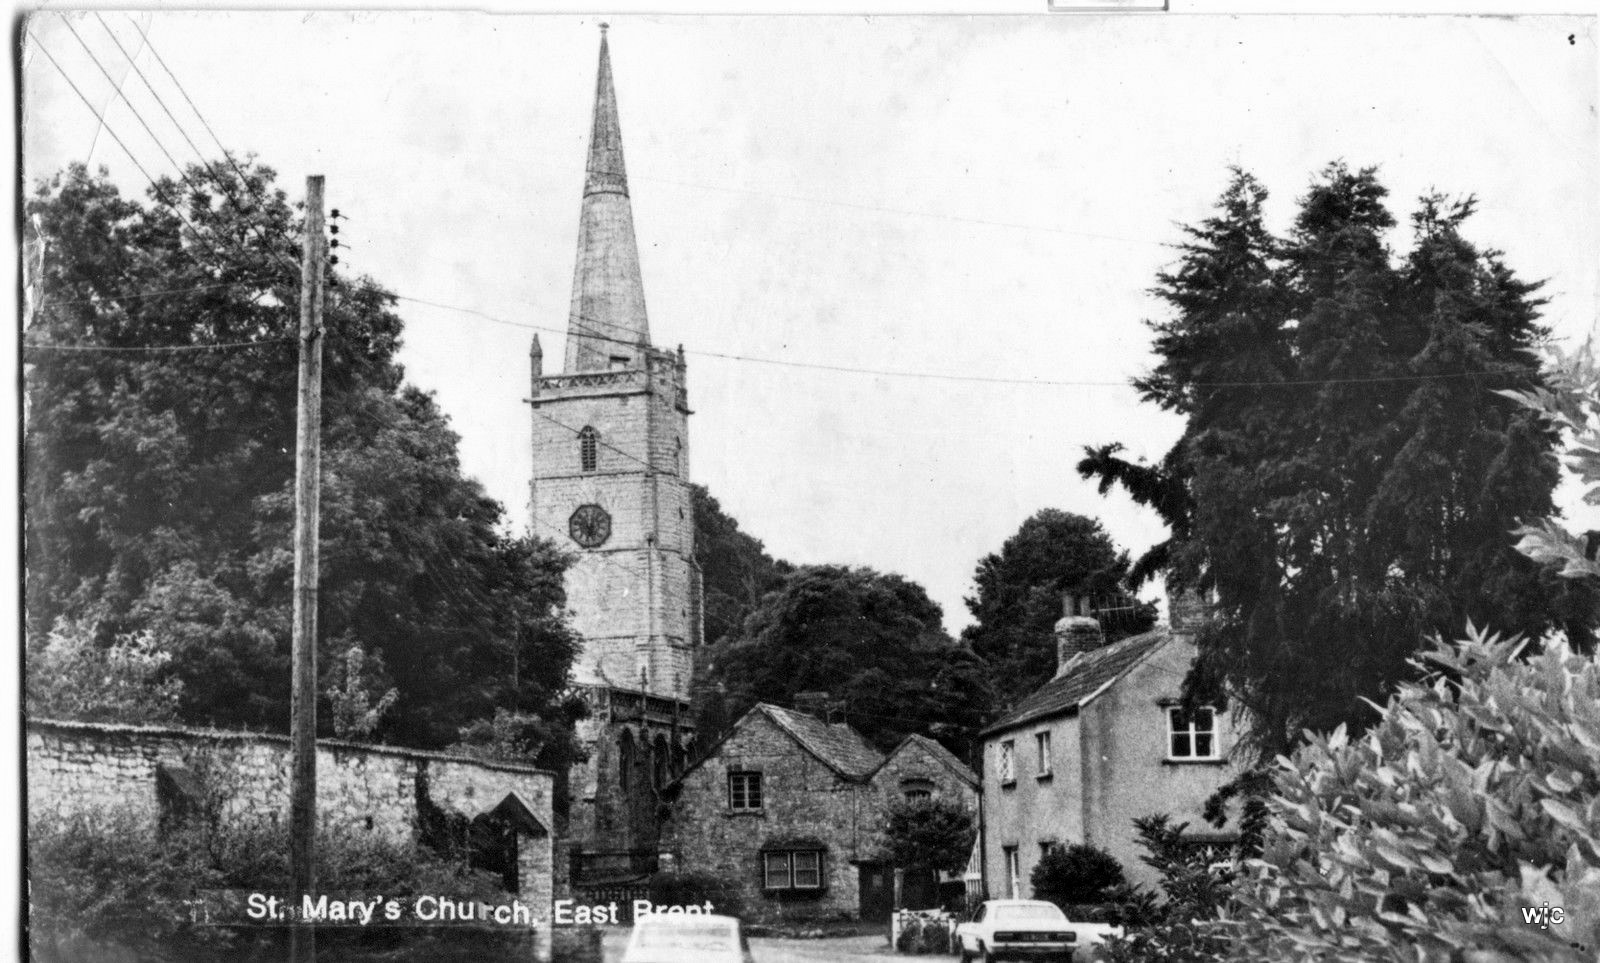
(873, 642)
(1019, 592)
(158, 450)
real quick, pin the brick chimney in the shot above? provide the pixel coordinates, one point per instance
(1076, 633)
(813, 703)
(1187, 610)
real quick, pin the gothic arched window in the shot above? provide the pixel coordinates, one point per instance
(588, 442)
(660, 758)
(625, 759)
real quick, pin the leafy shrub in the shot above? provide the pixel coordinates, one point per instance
(70, 676)
(693, 888)
(1183, 926)
(933, 833)
(509, 737)
(1477, 794)
(1572, 405)
(1079, 873)
(108, 880)
(107, 886)
(355, 715)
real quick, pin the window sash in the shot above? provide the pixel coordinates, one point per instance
(791, 869)
(777, 870)
(1042, 741)
(807, 870)
(744, 790)
(1192, 737)
(1008, 761)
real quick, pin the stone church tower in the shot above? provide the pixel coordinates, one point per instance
(611, 472)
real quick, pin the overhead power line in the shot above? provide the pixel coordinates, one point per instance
(117, 89)
(936, 215)
(943, 376)
(156, 294)
(250, 222)
(203, 122)
(124, 349)
(120, 143)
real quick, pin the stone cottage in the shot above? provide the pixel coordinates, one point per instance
(788, 810)
(1103, 742)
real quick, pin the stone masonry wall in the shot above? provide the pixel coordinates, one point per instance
(804, 802)
(913, 763)
(634, 598)
(80, 767)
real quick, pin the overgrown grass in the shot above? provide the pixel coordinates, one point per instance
(108, 888)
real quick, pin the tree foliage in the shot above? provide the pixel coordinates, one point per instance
(873, 642)
(1076, 874)
(1019, 593)
(1476, 795)
(355, 714)
(929, 834)
(70, 676)
(1571, 404)
(158, 483)
(1350, 475)
(735, 568)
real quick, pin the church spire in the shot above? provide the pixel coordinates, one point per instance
(607, 327)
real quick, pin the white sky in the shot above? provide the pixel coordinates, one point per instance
(953, 195)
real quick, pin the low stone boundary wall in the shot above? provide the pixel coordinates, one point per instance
(146, 771)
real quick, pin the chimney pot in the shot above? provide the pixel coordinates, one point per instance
(1076, 634)
(1187, 609)
(812, 703)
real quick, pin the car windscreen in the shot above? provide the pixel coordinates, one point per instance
(1029, 914)
(710, 935)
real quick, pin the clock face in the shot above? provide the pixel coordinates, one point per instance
(590, 526)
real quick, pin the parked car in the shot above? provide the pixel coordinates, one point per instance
(687, 938)
(1027, 929)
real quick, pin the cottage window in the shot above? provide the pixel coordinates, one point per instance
(1042, 744)
(588, 444)
(915, 795)
(915, 789)
(798, 869)
(1013, 873)
(1193, 735)
(744, 791)
(1008, 761)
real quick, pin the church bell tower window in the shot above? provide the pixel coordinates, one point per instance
(588, 445)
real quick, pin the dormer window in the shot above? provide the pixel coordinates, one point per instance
(588, 447)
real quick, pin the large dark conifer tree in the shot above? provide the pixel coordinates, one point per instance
(1348, 479)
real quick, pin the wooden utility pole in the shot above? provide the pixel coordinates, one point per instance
(307, 495)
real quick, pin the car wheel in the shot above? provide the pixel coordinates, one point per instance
(983, 954)
(965, 956)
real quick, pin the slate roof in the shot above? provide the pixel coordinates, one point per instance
(1083, 679)
(939, 752)
(840, 747)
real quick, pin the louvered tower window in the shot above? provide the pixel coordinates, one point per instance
(588, 443)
